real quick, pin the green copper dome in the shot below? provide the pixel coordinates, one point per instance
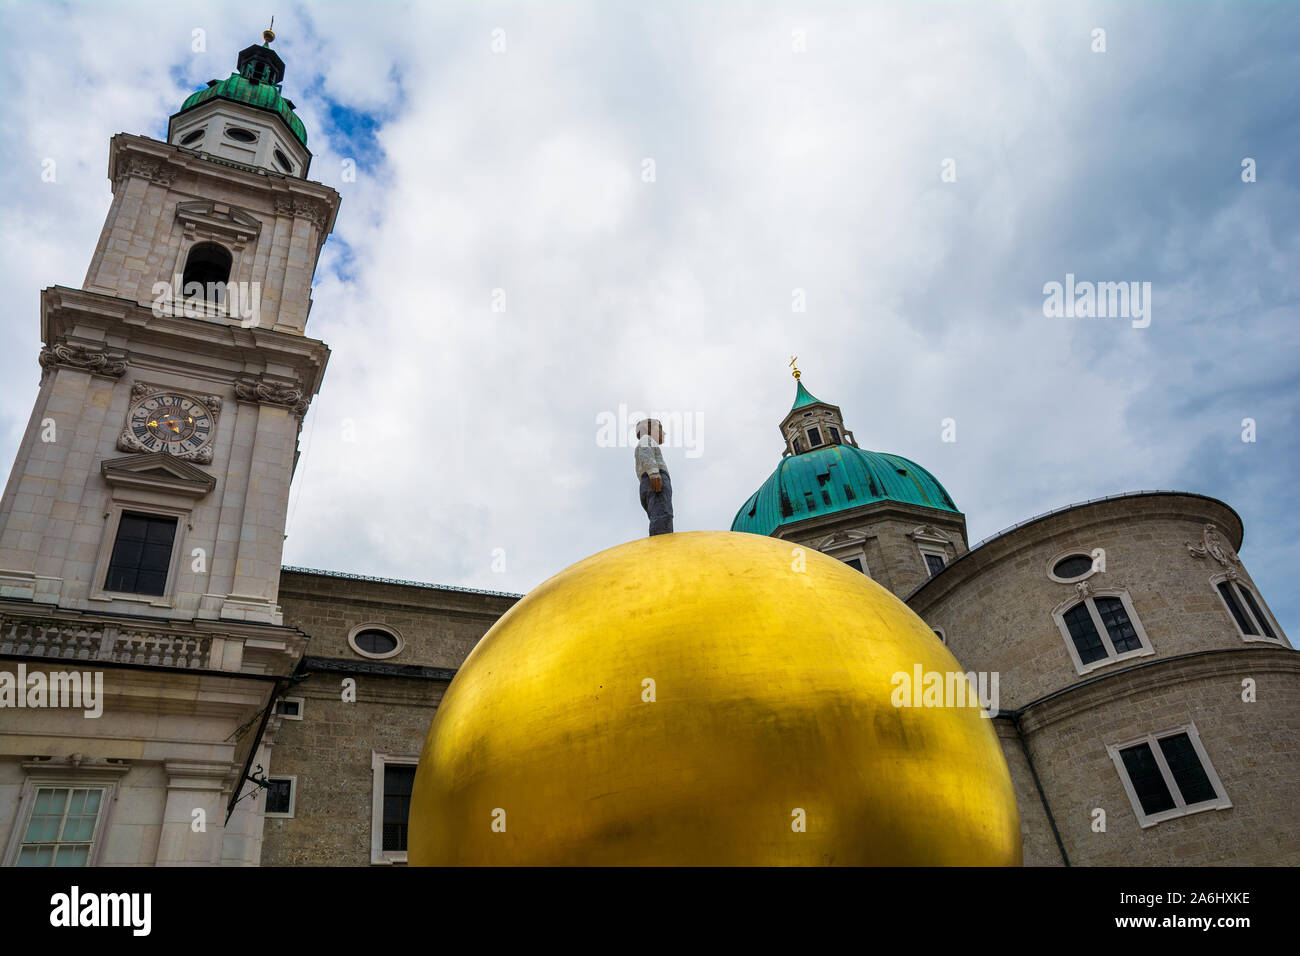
(835, 478)
(265, 96)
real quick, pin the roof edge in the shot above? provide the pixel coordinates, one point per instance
(980, 548)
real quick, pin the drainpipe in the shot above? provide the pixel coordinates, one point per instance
(1051, 821)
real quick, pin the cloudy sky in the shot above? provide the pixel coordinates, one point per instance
(794, 146)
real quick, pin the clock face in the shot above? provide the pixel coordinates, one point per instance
(172, 423)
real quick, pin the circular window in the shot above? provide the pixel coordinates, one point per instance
(1072, 567)
(241, 134)
(192, 137)
(283, 161)
(375, 640)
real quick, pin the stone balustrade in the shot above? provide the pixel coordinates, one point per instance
(104, 641)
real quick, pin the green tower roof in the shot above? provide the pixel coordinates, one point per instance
(265, 96)
(835, 478)
(804, 397)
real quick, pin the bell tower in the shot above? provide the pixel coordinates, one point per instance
(174, 381)
(142, 526)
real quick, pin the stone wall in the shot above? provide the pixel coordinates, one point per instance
(331, 749)
(996, 608)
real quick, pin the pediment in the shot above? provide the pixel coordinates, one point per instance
(928, 532)
(158, 471)
(218, 218)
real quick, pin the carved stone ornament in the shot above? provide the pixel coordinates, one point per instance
(1215, 546)
(272, 393)
(92, 360)
(1084, 589)
(302, 207)
(154, 170)
(927, 532)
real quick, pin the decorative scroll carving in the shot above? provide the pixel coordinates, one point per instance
(93, 360)
(266, 392)
(1214, 545)
(928, 532)
(1084, 589)
(155, 170)
(302, 207)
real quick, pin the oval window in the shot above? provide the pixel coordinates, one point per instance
(241, 134)
(283, 160)
(192, 137)
(1076, 565)
(375, 642)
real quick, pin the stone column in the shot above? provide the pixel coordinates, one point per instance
(193, 785)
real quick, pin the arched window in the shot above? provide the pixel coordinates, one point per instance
(208, 264)
(1101, 629)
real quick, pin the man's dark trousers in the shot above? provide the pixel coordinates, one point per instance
(658, 504)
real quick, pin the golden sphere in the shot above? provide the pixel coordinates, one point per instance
(708, 698)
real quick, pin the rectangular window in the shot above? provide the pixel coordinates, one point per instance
(1245, 610)
(1168, 775)
(61, 828)
(814, 438)
(392, 779)
(398, 781)
(290, 707)
(835, 434)
(142, 554)
(1234, 608)
(855, 564)
(934, 563)
(279, 796)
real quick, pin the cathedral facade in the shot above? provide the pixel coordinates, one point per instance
(200, 704)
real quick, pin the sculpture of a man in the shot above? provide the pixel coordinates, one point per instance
(656, 486)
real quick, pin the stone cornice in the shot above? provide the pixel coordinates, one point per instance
(131, 333)
(1150, 675)
(335, 665)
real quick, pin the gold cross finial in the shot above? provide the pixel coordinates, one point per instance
(793, 359)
